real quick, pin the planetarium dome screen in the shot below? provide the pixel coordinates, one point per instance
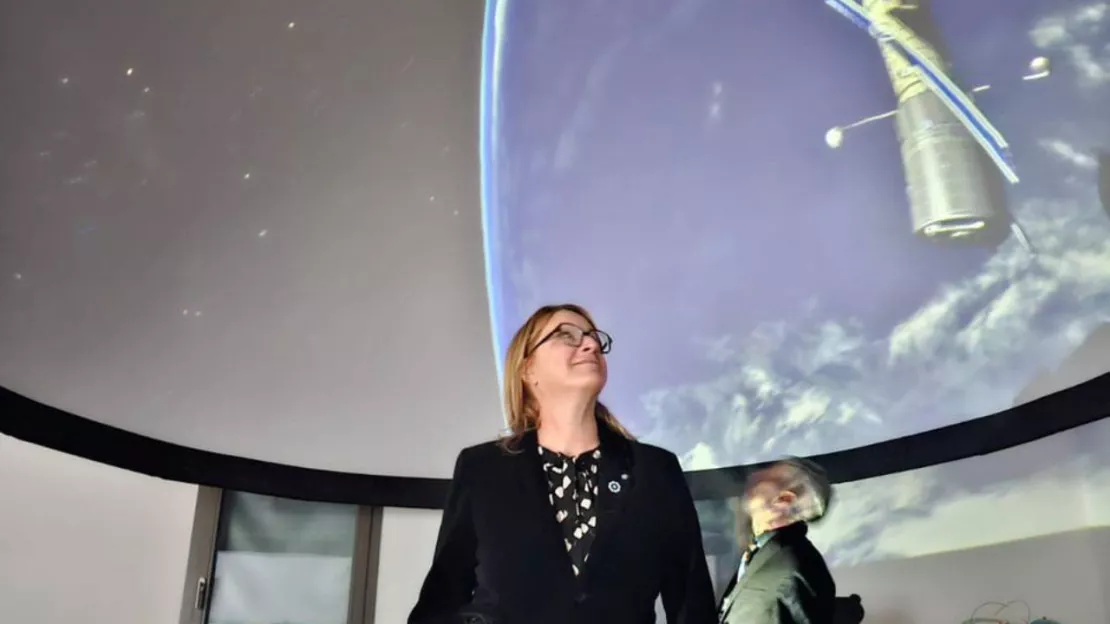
(304, 233)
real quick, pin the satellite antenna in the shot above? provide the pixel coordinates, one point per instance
(1039, 68)
(952, 206)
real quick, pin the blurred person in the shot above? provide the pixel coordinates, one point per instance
(782, 578)
(567, 519)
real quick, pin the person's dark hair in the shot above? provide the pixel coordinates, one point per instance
(809, 482)
(806, 479)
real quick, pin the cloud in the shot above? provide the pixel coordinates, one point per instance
(1053, 485)
(1079, 33)
(1070, 154)
(582, 117)
(968, 352)
(1056, 500)
(972, 519)
(925, 331)
(701, 457)
(862, 510)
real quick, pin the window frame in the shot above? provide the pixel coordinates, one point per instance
(200, 567)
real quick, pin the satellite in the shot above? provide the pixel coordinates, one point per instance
(942, 134)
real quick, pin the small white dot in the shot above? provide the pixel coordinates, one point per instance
(184, 313)
(246, 176)
(64, 80)
(146, 89)
(263, 233)
(197, 313)
(130, 71)
(18, 276)
(292, 25)
(432, 198)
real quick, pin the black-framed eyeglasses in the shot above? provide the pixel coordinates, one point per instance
(573, 335)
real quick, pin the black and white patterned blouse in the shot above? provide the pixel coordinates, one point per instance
(572, 489)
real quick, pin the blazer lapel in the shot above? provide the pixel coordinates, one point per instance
(765, 553)
(615, 485)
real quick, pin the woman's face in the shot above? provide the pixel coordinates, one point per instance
(568, 357)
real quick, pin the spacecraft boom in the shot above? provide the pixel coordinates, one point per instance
(902, 46)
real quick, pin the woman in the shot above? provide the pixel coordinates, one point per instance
(568, 519)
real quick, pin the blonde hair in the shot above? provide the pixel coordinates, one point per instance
(520, 405)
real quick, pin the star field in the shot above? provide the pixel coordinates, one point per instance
(229, 211)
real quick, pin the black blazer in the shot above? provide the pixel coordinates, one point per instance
(500, 556)
(786, 582)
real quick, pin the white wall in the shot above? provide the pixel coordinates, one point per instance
(1058, 576)
(408, 539)
(89, 543)
(84, 542)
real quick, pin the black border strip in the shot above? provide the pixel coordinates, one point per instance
(1067, 409)
(37, 423)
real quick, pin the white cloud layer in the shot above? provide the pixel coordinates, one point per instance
(1080, 34)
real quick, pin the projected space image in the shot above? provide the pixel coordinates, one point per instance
(1055, 485)
(809, 226)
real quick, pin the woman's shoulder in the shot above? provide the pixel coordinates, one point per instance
(656, 455)
(659, 466)
(480, 452)
(492, 451)
(505, 448)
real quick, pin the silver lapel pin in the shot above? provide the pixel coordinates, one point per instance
(614, 487)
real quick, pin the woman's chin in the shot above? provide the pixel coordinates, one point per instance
(592, 381)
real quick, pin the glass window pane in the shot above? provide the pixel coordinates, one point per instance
(281, 561)
(722, 551)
